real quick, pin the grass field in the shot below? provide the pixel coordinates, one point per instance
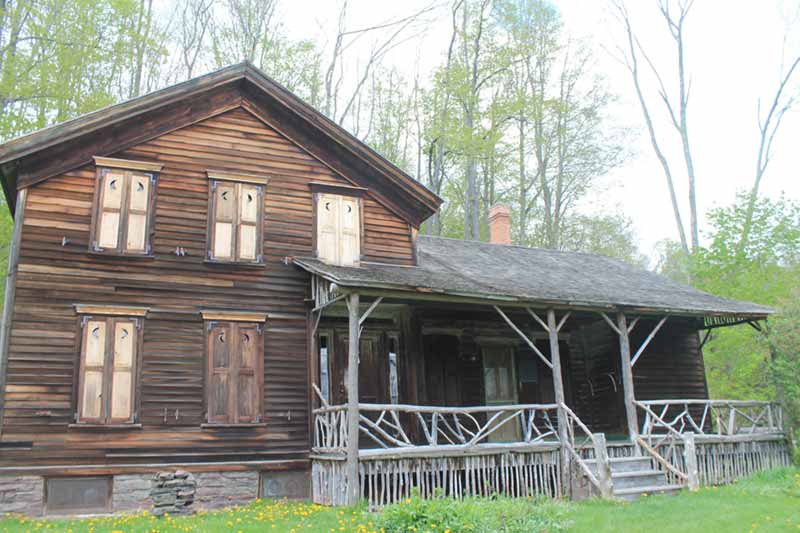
(767, 502)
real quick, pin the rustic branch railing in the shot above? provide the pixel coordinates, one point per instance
(601, 477)
(397, 426)
(710, 417)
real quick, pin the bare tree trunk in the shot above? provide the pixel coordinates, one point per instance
(632, 63)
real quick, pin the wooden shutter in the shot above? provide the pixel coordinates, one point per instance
(328, 206)
(234, 373)
(250, 201)
(248, 408)
(349, 232)
(122, 370)
(92, 371)
(110, 209)
(220, 389)
(224, 206)
(137, 216)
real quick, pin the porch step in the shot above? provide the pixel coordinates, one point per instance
(642, 478)
(634, 476)
(623, 464)
(634, 493)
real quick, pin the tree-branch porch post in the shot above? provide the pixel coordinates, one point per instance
(353, 488)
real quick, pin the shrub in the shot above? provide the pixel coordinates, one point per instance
(479, 515)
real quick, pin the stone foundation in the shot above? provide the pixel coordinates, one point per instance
(22, 494)
(131, 492)
(225, 489)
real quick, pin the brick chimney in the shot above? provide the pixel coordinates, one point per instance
(500, 224)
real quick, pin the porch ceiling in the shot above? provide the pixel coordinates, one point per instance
(471, 269)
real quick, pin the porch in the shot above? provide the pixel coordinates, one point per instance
(459, 399)
(487, 368)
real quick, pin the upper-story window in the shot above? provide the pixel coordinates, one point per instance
(236, 211)
(122, 220)
(110, 341)
(338, 224)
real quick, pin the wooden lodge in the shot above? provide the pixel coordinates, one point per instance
(216, 278)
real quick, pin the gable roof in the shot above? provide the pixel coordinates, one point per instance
(514, 273)
(35, 157)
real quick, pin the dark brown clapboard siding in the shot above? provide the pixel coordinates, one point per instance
(52, 278)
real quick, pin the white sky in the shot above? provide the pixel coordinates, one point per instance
(733, 57)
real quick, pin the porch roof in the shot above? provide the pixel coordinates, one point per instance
(532, 275)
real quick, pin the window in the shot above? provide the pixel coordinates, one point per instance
(123, 209)
(325, 353)
(108, 364)
(235, 218)
(78, 495)
(393, 340)
(338, 231)
(235, 362)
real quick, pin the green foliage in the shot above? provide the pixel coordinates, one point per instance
(504, 515)
(742, 363)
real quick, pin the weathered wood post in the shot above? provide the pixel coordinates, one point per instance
(690, 459)
(627, 376)
(353, 488)
(603, 466)
(558, 388)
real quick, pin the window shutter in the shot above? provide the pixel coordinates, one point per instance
(138, 205)
(220, 388)
(110, 209)
(328, 227)
(350, 231)
(94, 354)
(248, 354)
(122, 370)
(249, 208)
(224, 213)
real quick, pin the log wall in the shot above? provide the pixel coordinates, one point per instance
(56, 271)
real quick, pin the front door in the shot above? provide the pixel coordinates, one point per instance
(500, 386)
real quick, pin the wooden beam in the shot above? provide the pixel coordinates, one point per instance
(558, 387)
(539, 320)
(530, 343)
(649, 338)
(10, 296)
(610, 323)
(369, 310)
(627, 375)
(563, 321)
(353, 489)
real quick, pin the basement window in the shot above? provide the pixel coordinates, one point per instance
(122, 218)
(236, 218)
(78, 495)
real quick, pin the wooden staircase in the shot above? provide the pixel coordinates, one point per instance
(633, 477)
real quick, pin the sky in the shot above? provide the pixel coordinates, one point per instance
(734, 50)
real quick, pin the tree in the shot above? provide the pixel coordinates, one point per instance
(630, 53)
(611, 235)
(766, 271)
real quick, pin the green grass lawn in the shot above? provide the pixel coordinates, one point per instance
(766, 502)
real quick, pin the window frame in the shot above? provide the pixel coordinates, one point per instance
(234, 321)
(215, 177)
(321, 188)
(111, 316)
(128, 169)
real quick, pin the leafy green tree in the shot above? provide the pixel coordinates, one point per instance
(740, 361)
